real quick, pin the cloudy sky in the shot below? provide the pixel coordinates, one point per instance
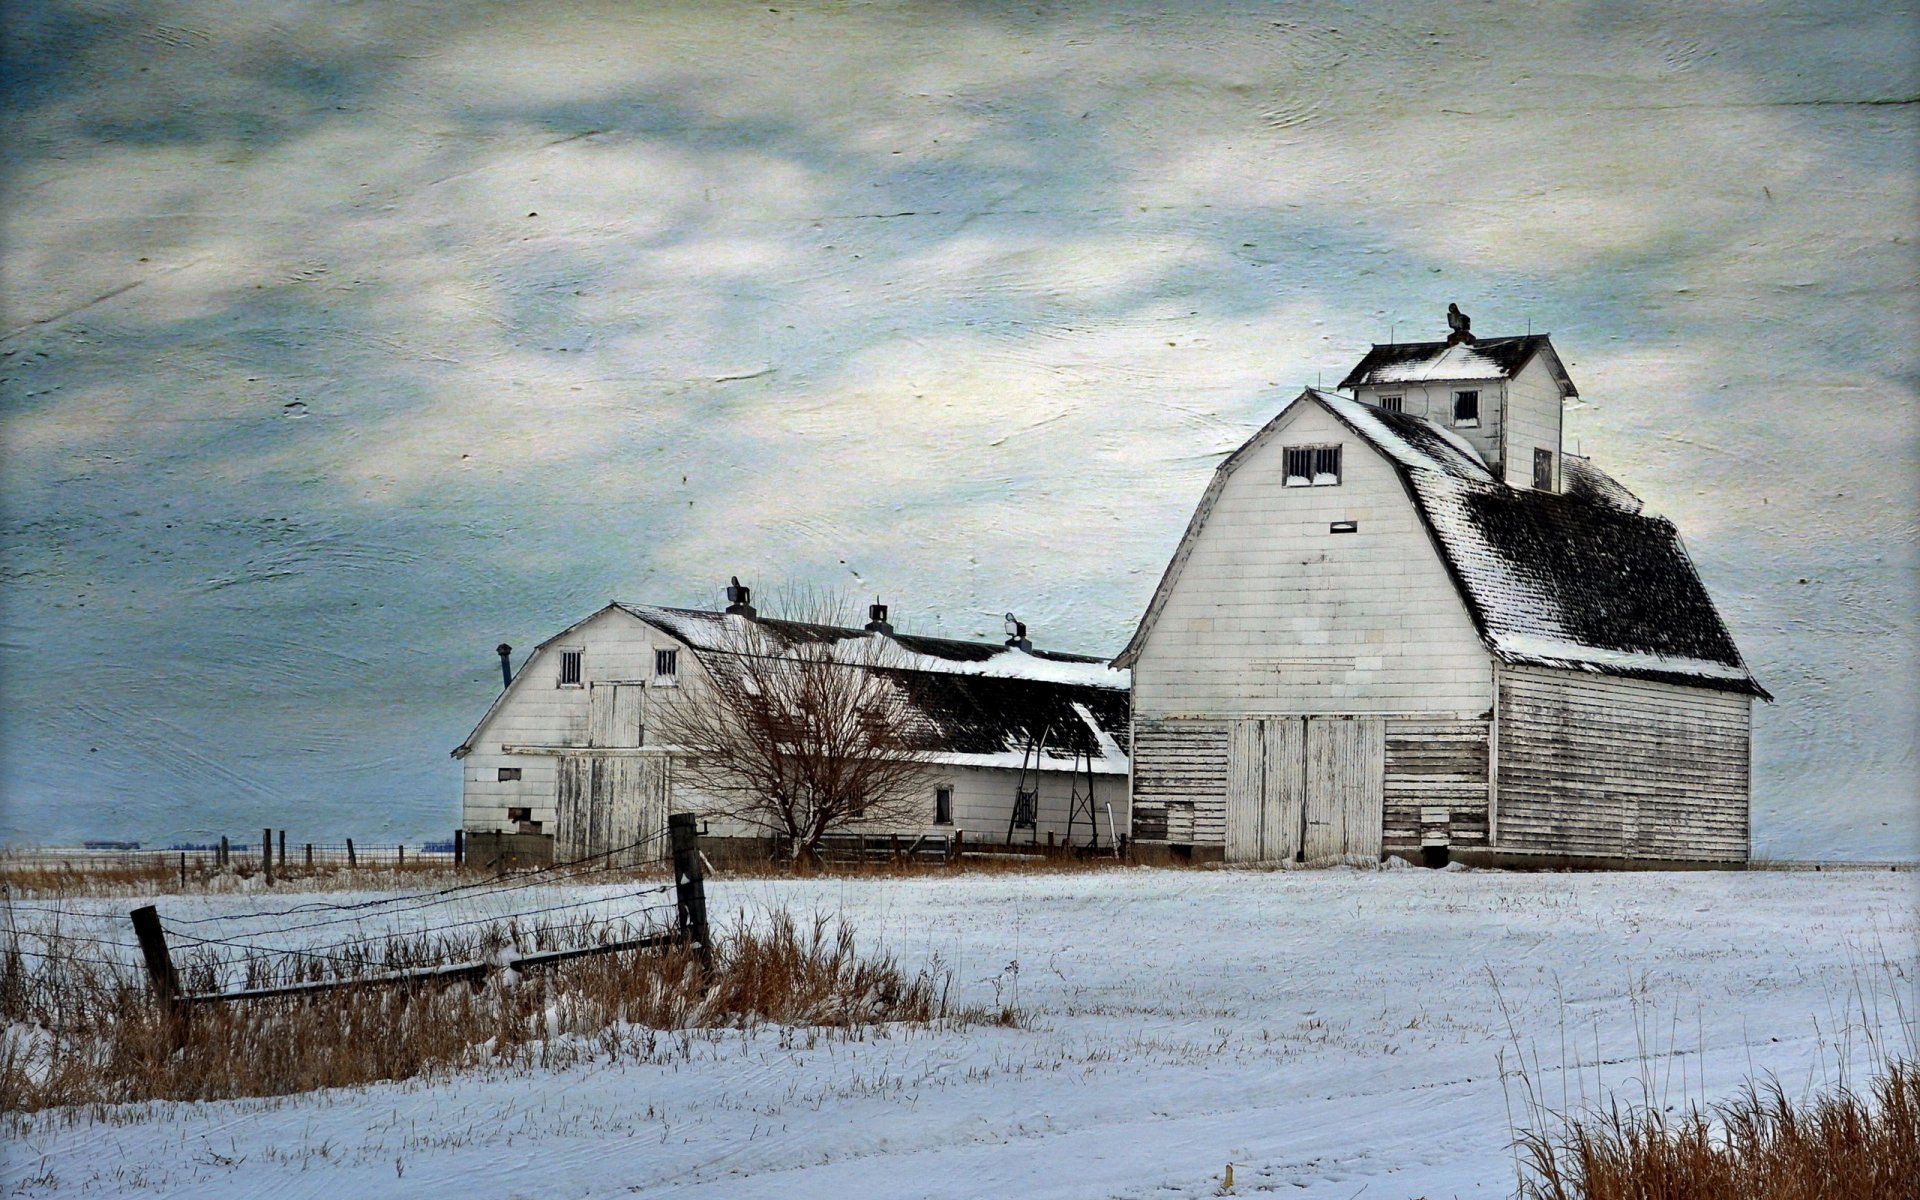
(342, 342)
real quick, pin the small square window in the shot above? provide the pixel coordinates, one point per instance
(1393, 403)
(508, 775)
(666, 664)
(1543, 470)
(519, 814)
(1312, 466)
(943, 806)
(1466, 409)
(570, 667)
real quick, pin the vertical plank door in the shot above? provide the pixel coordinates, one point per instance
(1283, 791)
(1246, 773)
(1346, 787)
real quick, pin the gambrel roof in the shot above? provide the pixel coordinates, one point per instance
(1488, 359)
(1581, 580)
(976, 703)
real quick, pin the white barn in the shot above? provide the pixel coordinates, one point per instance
(1404, 621)
(562, 763)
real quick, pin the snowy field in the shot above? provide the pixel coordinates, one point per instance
(1330, 1033)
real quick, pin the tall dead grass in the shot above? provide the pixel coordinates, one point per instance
(1761, 1144)
(84, 1032)
(1758, 1146)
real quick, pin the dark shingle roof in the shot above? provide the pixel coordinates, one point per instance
(1581, 580)
(978, 702)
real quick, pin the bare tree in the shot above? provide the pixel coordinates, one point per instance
(795, 729)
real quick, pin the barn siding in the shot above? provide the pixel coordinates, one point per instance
(1621, 768)
(1180, 780)
(1436, 763)
(1271, 613)
(1434, 401)
(539, 712)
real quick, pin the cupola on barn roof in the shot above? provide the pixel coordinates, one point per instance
(1456, 361)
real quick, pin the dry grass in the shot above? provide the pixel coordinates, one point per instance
(1758, 1146)
(83, 1032)
(37, 876)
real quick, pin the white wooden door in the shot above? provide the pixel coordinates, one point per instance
(1284, 790)
(613, 710)
(611, 806)
(1265, 789)
(1345, 788)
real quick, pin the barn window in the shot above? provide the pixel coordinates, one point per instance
(1543, 470)
(666, 665)
(1312, 466)
(570, 667)
(1393, 403)
(519, 814)
(1466, 409)
(508, 775)
(943, 806)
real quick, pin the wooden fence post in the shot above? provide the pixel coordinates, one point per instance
(690, 887)
(402, 860)
(283, 852)
(459, 848)
(153, 948)
(350, 862)
(183, 868)
(309, 856)
(266, 854)
(959, 843)
(223, 852)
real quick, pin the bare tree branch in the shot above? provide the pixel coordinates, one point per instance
(794, 731)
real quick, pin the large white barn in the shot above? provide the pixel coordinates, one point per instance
(563, 763)
(1404, 621)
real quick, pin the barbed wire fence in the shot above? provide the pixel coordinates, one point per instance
(416, 938)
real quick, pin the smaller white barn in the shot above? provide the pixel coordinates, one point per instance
(562, 764)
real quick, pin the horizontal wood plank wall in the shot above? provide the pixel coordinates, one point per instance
(1435, 763)
(1597, 765)
(1180, 780)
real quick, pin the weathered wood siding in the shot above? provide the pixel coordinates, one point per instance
(612, 806)
(983, 804)
(1594, 765)
(1179, 781)
(1436, 763)
(1532, 422)
(1270, 612)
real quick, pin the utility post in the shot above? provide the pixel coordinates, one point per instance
(266, 854)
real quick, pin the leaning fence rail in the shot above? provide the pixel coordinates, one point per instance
(689, 929)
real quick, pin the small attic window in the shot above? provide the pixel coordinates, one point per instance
(1393, 404)
(1312, 466)
(570, 667)
(1466, 409)
(1543, 470)
(666, 665)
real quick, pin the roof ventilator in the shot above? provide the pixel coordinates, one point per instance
(1017, 634)
(740, 599)
(877, 619)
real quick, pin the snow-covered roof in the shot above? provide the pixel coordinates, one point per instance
(1464, 362)
(1581, 580)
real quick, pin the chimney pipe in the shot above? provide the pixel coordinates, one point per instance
(877, 618)
(506, 663)
(740, 598)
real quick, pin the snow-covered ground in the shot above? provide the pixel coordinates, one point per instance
(1330, 1033)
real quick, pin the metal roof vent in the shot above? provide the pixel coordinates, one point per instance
(506, 663)
(1017, 634)
(877, 618)
(740, 598)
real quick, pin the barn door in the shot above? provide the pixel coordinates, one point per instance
(1345, 787)
(613, 715)
(606, 803)
(1265, 788)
